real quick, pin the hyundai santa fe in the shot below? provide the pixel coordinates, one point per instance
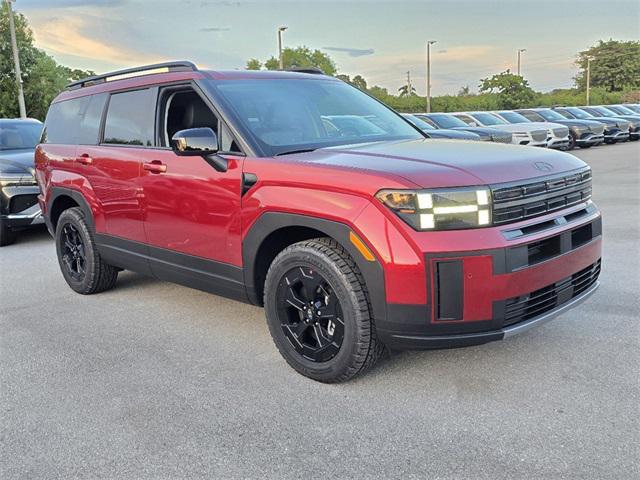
(355, 237)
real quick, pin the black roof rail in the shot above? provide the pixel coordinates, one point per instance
(312, 70)
(181, 66)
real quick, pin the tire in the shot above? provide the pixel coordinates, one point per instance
(342, 293)
(7, 236)
(572, 143)
(78, 257)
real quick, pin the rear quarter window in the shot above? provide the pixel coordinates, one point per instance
(130, 118)
(75, 122)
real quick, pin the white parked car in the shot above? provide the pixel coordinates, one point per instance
(523, 134)
(558, 135)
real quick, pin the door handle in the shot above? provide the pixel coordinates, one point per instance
(84, 159)
(155, 166)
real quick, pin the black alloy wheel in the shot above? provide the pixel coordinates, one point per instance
(310, 314)
(73, 254)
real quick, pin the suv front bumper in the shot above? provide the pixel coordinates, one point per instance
(19, 206)
(474, 297)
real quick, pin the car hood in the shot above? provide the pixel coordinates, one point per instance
(583, 124)
(452, 134)
(544, 125)
(17, 161)
(482, 131)
(443, 163)
(519, 127)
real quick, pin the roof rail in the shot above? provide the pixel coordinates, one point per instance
(313, 70)
(181, 66)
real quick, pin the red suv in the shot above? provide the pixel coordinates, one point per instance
(298, 192)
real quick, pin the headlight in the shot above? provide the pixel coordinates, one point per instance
(440, 209)
(16, 179)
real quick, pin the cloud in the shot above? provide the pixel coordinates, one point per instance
(215, 29)
(64, 36)
(352, 52)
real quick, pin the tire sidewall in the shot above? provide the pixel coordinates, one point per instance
(341, 362)
(75, 218)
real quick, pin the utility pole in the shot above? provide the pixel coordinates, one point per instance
(429, 43)
(16, 61)
(280, 57)
(588, 78)
(520, 51)
(408, 84)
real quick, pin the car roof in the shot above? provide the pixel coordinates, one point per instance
(19, 120)
(101, 84)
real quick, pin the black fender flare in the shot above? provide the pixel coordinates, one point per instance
(76, 196)
(270, 222)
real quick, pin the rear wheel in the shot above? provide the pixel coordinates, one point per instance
(80, 263)
(318, 311)
(7, 236)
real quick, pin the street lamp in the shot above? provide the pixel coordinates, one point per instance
(520, 51)
(429, 43)
(280, 58)
(16, 61)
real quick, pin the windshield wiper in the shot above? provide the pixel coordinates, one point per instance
(291, 152)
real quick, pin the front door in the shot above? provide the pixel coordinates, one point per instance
(191, 210)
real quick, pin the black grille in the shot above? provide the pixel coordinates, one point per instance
(513, 203)
(519, 309)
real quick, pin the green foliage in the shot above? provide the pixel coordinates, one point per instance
(614, 65)
(42, 77)
(254, 64)
(512, 91)
(403, 91)
(303, 57)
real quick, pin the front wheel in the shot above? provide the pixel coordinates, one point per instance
(572, 143)
(318, 311)
(7, 236)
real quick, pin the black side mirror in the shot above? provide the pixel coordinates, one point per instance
(199, 142)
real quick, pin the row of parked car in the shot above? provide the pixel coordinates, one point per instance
(559, 127)
(562, 128)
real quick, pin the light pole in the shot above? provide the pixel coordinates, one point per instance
(280, 59)
(588, 77)
(16, 61)
(429, 43)
(520, 51)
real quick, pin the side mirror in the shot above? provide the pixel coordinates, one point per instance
(194, 141)
(199, 142)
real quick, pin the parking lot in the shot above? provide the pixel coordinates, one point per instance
(154, 380)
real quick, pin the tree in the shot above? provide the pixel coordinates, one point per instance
(614, 65)
(303, 57)
(360, 82)
(43, 78)
(254, 64)
(464, 91)
(403, 91)
(343, 77)
(512, 91)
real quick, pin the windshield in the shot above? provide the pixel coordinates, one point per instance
(444, 120)
(622, 110)
(286, 115)
(514, 117)
(578, 113)
(605, 112)
(419, 122)
(488, 119)
(19, 135)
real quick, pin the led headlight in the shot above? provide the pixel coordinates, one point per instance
(440, 209)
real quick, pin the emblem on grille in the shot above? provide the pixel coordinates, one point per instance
(543, 166)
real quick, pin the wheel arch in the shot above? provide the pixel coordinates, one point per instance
(274, 231)
(62, 199)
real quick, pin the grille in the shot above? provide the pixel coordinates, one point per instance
(518, 202)
(560, 132)
(598, 130)
(502, 138)
(539, 135)
(22, 202)
(536, 303)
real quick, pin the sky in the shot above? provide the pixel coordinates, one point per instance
(381, 40)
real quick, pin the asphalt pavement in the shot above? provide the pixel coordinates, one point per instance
(152, 380)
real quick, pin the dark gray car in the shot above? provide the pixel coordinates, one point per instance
(448, 121)
(18, 190)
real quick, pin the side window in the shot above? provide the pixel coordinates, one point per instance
(130, 118)
(63, 121)
(428, 120)
(185, 109)
(529, 116)
(465, 119)
(89, 132)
